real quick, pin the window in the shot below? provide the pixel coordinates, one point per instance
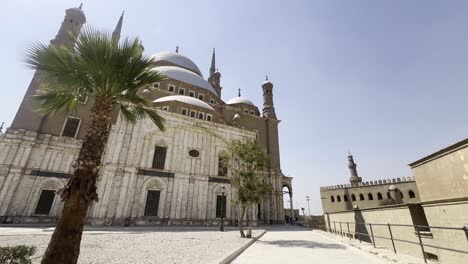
(361, 197)
(201, 116)
(353, 197)
(191, 93)
(212, 101)
(246, 111)
(209, 117)
(165, 108)
(389, 196)
(222, 166)
(152, 203)
(379, 196)
(201, 97)
(252, 112)
(181, 91)
(332, 199)
(45, 202)
(82, 99)
(401, 195)
(71, 127)
(184, 111)
(345, 197)
(159, 157)
(411, 194)
(171, 88)
(370, 196)
(194, 153)
(193, 114)
(155, 85)
(220, 206)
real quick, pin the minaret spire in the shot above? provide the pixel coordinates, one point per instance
(118, 27)
(213, 63)
(239, 92)
(354, 179)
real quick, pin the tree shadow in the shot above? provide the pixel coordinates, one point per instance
(301, 243)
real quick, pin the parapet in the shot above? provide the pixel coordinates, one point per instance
(369, 183)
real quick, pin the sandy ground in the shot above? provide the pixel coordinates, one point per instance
(298, 245)
(138, 245)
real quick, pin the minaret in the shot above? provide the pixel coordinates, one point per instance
(118, 27)
(215, 75)
(26, 118)
(71, 26)
(268, 106)
(354, 179)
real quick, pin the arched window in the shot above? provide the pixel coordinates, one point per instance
(379, 196)
(353, 197)
(389, 196)
(338, 198)
(411, 194)
(401, 194)
(345, 197)
(370, 196)
(361, 197)
(332, 199)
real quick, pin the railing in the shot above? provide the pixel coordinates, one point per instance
(421, 231)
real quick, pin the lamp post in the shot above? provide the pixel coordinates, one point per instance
(221, 225)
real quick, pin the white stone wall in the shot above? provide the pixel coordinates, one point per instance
(186, 198)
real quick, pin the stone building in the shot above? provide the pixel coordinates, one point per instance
(437, 196)
(148, 176)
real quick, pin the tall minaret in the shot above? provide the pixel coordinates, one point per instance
(26, 118)
(268, 106)
(354, 179)
(215, 75)
(118, 27)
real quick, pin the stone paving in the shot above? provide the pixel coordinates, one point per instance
(138, 244)
(298, 245)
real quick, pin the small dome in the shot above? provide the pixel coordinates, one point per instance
(392, 188)
(186, 76)
(236, 116)
(184, 99)
(177, 59)
(78, 10)
(240, 100)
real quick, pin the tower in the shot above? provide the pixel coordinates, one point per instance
(268, 106)
(354, 179)
(118, 27)
(215, 75)
(26, 118)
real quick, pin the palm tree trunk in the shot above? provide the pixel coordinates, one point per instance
(241, 221)
(80, 192)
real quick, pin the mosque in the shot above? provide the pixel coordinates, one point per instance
(148, 177)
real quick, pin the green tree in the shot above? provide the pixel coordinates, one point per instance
(111, 72)
(245, 160)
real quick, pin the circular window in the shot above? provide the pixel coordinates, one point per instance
(194, 153)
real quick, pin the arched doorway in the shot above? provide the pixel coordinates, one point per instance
(289, 216)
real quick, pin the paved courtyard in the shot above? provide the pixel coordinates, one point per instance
(138, 244)
(297, 245)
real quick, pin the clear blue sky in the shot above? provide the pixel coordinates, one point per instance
(386, 79)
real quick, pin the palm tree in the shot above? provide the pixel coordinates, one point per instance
(112, 73)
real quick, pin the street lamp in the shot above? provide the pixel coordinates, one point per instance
(221, 225)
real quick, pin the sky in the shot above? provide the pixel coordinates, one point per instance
(384, 79)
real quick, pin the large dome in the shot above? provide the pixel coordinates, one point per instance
(177, 59)
(240, 100)
(184, 99)
(185, 76)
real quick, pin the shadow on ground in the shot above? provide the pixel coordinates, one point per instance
(301, 243)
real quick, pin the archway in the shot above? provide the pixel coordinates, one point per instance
(289, 216)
